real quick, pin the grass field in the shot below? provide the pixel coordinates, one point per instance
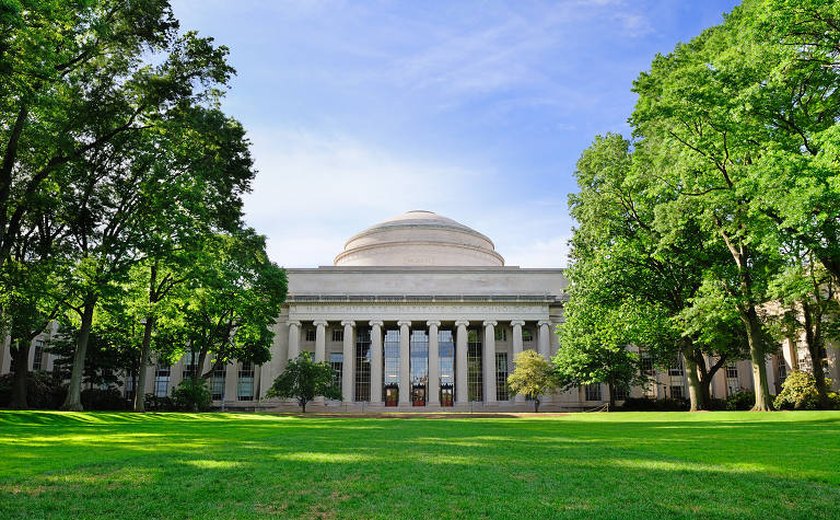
(622, 465)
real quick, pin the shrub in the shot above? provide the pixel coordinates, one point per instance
(799, 392)
(103, 399)
(154, 403)
(193, 396)
(643, 404)
(43, 390)
(741, 400)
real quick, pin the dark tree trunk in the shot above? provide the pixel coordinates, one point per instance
(749, 316)
(813, 338)
(145, 348)
(536, 405)
(695, 393)
(20, 362)
(74, 390)
(611, 390)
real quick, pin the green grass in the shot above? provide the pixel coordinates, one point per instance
(631, 465)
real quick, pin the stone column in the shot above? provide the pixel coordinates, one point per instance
(405, 367)
(489, 361)
(376, 362)
(348, 362)
(461, 394)
(294, 339)
(433, 398)
(544, 339)
(517, 349)
(320, 341)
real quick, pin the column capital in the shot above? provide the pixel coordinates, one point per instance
(376, 323)
(433, 323)
(406, 323)
(543, 322)
(293, 323)
(465, 323)
(320, 323)
(514, 323)
(345, 323)
(490, 323)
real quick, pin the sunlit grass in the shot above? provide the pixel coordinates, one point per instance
(644, 465)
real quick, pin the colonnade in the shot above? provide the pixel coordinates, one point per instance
(432, 328)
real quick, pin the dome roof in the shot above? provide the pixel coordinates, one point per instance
(419, 238)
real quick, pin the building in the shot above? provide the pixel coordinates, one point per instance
(420, 312)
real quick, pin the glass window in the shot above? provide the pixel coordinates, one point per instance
(646, 363)
(337, 364)
(309, 334)
(502, 393)
(475, 374)
(677, 392)
(446, 352)
(363, 364)
(338, 335)
(162, 376)
(620, 394)
(245, 385)
(190, 364)
(593, 392)
(501, 334)
(781, 371)
(677, 368)
(418, 351)
(391, 353)
(38, 355)
(527, 335)
(217, 383)
(732, 371)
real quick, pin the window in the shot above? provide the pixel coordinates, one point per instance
(502, 393)
(620, 394)
(676, 368)
(217, 383)
(337, 364)
(190, 364)
(245, 385)
(501, 334)
(309, 334)
(446, 349)
(162, 375)
(391, 352)
(418, 350)
(732, 371)
(338, 335)
(646, 364)
(131, 386)
(527, 335)
(38, 358)
(677, 392)
(593, 392)
(475, 377)
(363, 364)
(781, 372)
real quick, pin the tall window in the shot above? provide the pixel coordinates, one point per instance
(190, 365)
(676, 368)
(677, 392)
(38, 358)
(245, 385)
(446, 352)
(162, 376)
(501, 334)
(593, 392)
(309, 334)
(217, 383)
(527, 335)
(338, 335)
(418, 351)
(781, 371)
(646, 363)
(732, 371)
(363, 364)
(337, 364)
(475, 376)
(732, 383)
(502, 393)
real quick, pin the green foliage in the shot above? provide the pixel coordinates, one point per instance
(642, 404)
(192, 395)
(43, 390)
(103, 399)
(303, 380)
(799, 392)
(740, 400)
(532, 376)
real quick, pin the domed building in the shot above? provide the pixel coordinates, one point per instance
(419, 311)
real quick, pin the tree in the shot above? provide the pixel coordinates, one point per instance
(304, 380)
(532, 377)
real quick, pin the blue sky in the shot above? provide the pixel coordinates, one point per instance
(477, 110)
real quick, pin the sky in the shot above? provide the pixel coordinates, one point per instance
(477, 110)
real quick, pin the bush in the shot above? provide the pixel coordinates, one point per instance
(103, 399)
(799, 392)
(643, 404)
(741, 400)
(43, 390)
(154, 403)
(192, 396)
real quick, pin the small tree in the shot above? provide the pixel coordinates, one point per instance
(303, 380)
(532, 376)
(799, 392)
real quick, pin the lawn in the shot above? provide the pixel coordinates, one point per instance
(620, 465)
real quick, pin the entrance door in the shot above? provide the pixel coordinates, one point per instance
(418, 395)
(446, 395)
(392, 395)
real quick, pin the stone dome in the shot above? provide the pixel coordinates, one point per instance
(419, 238)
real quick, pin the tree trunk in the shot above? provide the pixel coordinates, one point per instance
(74, 390)
(611, 390)
(303, 406)
(536, 405)
(145, 348)
(759, 368)
(20, 362)
(813, 339)
(695, 393)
